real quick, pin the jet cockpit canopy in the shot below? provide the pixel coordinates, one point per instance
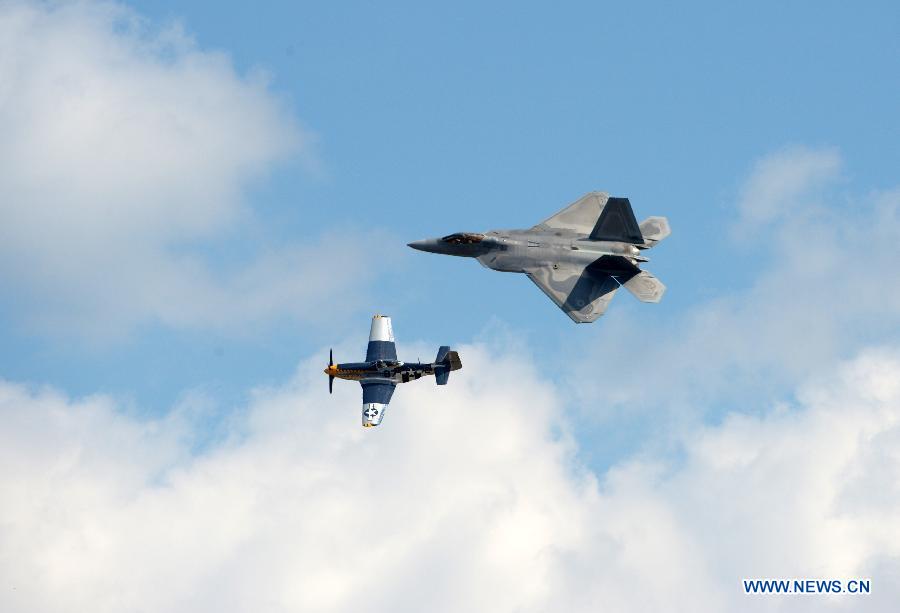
(463, 238)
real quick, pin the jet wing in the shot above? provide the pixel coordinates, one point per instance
(582, 293)
(580, 217)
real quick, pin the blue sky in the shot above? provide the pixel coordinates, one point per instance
(434, 119)
(200, 199)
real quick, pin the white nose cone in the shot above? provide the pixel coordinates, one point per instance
(381, 329)
(372, 414)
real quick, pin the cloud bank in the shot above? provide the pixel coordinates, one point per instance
(470, 497)
(126, 153)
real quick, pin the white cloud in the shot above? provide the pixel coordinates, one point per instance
(467, 498)
(125, 150)
(781, 182)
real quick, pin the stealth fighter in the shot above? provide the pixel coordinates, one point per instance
(579, 257)
(382, 371)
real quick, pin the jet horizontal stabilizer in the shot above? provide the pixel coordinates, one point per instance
(654, 229)
(645, 287)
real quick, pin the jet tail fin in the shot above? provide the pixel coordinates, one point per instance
(617, 223)
(445, 362)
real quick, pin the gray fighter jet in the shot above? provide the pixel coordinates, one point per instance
(578, 257)
(382, 371)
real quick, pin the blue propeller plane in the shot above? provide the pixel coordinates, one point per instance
(382, 371)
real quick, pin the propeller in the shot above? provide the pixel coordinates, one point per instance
(330, 376)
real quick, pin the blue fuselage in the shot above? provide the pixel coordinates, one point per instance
(395, 371)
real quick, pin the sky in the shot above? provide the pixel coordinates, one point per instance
(198, 200)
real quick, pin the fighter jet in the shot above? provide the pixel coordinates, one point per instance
(381, 372)
(579, 257)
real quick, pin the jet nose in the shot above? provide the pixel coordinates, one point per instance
(429, 244)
